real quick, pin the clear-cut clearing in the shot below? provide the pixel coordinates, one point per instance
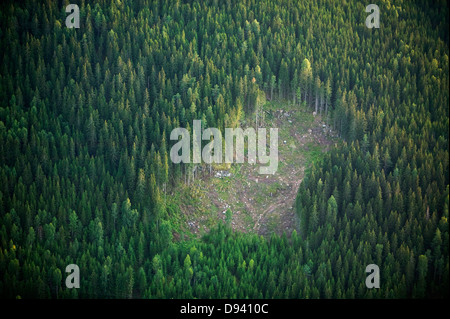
(259, 203)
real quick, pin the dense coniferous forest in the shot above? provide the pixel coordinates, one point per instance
(85, 122)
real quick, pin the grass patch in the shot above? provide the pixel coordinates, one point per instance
(313, 154)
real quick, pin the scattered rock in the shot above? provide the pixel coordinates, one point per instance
(221, 174)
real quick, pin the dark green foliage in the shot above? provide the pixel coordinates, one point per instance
(85, 118)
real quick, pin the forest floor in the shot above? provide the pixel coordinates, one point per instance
(261, 204)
